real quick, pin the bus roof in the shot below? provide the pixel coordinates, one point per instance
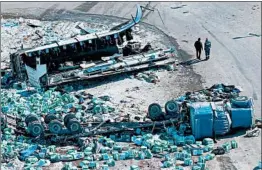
(91, 36)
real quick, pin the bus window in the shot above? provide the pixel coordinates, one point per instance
(121, 37)
(104, 42)
(30, 61)
(73, 48)
(37, 60)
(107, 40)
(112, 40)
(68, 49)
(56, 51)
(78, 47)
(120, 40)
(116, 38)
(129, 35)
(95, 44)
(47, 50)
(42, 59)
(84, 45)
(100, 43)
(91, 46)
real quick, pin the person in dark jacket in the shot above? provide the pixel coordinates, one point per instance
(207, 48)
(199, 48)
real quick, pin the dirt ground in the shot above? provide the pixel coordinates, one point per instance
(235, 57)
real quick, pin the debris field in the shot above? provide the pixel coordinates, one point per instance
(132, 120)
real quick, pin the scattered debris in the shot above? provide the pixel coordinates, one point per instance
(256, 35)
(37, 123)
(253, 133)
(34, 23)
(173, 137)
(258, 123)
(178, 7)
(149, 77)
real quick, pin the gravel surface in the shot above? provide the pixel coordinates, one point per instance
(235, 56)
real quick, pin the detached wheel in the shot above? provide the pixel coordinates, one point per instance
(74, 126)
(30, 118)
(55, 126)
(68, 117)
(155, 111)
(171, 107)
(35, 128)
(49, 118)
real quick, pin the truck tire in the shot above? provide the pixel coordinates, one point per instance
(74, 126)
(68, 117)
(171, 107)
(30, 118)
(55, 126)
(35, 128)
(49, 118)
(155, 112)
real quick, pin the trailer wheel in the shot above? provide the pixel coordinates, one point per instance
(30, 118)
(49, 118)
(155, 111)
(68, 117)
(171, 107)
(55, 126)
(35, 128)
(74, 126)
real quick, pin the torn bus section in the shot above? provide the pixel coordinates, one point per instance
(89, 56)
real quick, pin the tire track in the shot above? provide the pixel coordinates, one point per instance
(149, 12)
(49, 11)
(87, 6)
(225, 163)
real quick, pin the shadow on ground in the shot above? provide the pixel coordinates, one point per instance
(191, 62)
(234, 133)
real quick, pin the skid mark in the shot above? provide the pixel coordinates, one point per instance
(48, 11)
(225, 163)
(85, 7)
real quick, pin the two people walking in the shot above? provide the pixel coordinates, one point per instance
(199, 47)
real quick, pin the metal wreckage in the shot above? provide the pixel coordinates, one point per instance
(202, 113)
(87, 57)
(57, 116)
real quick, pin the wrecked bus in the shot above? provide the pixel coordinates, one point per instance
(39, 63)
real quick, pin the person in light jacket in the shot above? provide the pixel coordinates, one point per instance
(207, 48)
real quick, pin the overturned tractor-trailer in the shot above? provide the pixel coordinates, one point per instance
(84, 57)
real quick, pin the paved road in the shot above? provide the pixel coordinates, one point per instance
(235, 54)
